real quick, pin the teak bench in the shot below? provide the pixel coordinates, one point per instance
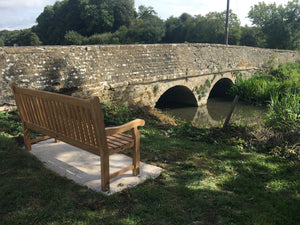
(78, 122)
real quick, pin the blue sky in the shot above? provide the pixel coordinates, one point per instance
(21, 14)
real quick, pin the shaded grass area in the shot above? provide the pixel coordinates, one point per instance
(210, 177)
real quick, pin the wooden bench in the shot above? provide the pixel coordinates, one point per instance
(78, 122)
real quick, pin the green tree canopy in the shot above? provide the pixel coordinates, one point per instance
(124, 13)
(279, 24)
(252, 36)
(98, 16)
(147, 28)
(177, 29)
(28, 38)
(19, 37)
(74, 38)
(203, 29)
(86, 17)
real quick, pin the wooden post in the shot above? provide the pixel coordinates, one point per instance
(227, 23)
(236, 98)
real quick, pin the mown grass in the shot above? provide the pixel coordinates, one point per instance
(210, 176)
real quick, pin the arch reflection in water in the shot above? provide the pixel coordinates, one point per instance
(217, 110)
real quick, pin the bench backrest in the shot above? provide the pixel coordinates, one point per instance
(76, 121)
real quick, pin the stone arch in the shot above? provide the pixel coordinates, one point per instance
(221, 87)
(177, 96)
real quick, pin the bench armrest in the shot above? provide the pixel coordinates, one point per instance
(125, 127)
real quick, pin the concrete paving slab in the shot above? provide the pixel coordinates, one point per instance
(84, 168)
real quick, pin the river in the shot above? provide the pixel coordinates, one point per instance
(216, 110)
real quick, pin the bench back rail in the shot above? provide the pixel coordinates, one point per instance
(62, 117)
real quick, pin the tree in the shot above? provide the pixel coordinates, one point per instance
(28, 38)
(104, 38)
(146, 12)
(213, 28)
(234, 28)
(203, 29)
(48, 29)
(252, 36)
(178, 30)
(292, 14)
(173, 28)
(19, 37)
(86, 17)
(6, 37)
(124, 12)
(98, 16)
(74, 38)
(279, 24)
(121, 35)
(147, 28)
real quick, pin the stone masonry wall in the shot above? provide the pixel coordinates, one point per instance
(119, 72)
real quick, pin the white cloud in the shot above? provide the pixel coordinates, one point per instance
(25, 19)
(20, 14)
(22, 4)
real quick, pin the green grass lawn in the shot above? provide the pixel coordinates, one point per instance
(203, 182)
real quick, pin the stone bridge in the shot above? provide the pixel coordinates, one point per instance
(153, 75)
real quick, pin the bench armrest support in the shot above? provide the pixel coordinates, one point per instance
(125, 127)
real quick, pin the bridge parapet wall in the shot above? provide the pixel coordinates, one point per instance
(122, 72)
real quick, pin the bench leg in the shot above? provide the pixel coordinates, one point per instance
(136, 157)
(105, 172)
(27, 140)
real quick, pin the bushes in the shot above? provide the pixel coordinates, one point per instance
(257, 89)
(280, 89)
(74, 38)
(10, 123)
(115, 114)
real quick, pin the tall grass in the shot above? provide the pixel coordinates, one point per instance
(284, 113)
(280, 89)
(257, 89)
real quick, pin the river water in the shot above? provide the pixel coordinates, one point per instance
(216, 110)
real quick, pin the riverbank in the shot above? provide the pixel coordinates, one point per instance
(280, 90)
(211, 176)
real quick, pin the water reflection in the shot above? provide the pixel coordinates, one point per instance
(216, 111)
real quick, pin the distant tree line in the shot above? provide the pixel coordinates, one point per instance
(84, 22)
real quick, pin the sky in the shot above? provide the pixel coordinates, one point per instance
(22, 14)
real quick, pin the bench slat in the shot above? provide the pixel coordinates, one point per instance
(116, 144)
